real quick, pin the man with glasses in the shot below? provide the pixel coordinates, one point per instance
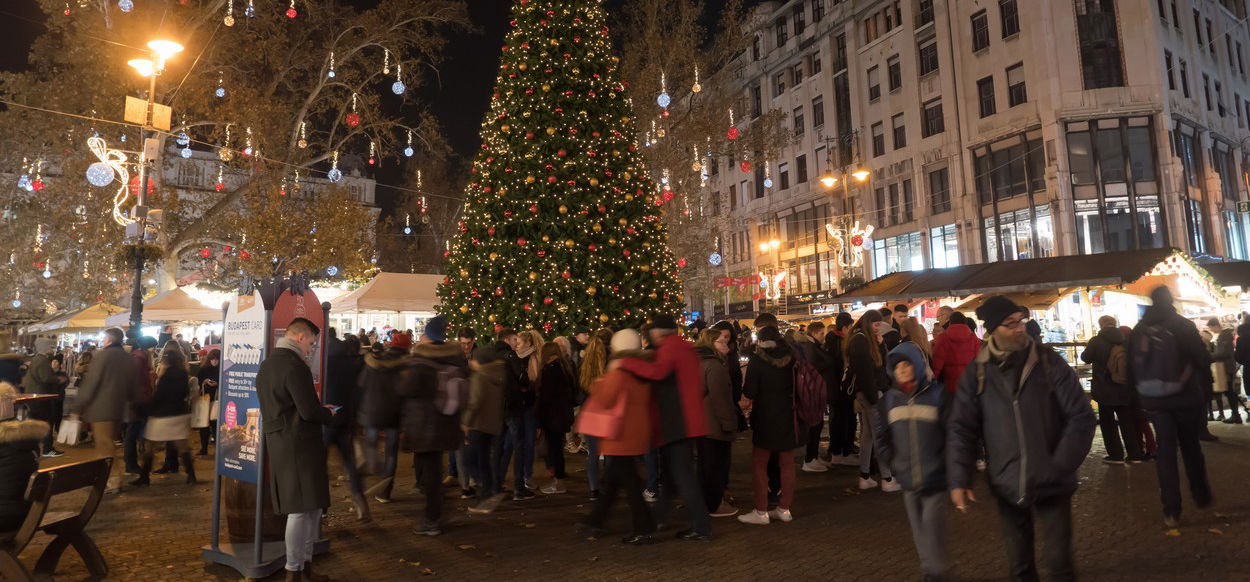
(1024, 402)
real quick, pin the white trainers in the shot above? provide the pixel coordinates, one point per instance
(891, 486)
(815, 466)
(981, 465)
(754, 517)
(554, 488)
(782, 515)
(866, 484)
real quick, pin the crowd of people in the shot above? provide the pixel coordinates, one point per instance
(658, 410)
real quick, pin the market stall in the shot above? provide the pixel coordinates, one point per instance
(88, 319)
(388, 301)
(175, 306)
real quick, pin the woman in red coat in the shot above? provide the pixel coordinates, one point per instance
(621, 452)
(953, 350)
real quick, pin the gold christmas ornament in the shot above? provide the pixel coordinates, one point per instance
(546, 88)
(594, 181)
(623, 222)
(591, 291)
(546, 238)
(464, 309)
(629, 197)
(596, 227)
(523, 66)
(660, 132)
(569, 243)
(652, 295)
(530, 179)
(533, 276)
(612, 241)
(626, 175)
(695, 167)
(494, 256)
(551, 131)
(505, 128)
(603, 318)
(464, 273)
(696, 88)
(564, 209)
(491, 317)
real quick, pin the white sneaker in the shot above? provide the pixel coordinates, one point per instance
(815, 466)
(782, 515)
(754, 517)
(649, 495)
(891, 486)
(981, 466)
(554, 488)
(866, 484)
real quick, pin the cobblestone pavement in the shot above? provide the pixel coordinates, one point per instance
(838, 533)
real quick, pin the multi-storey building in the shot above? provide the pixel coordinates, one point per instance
(992, 130)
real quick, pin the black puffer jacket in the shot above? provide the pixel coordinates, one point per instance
(770, 386)
(425, 428)
(1098, 352)
(867, 377)
(19, 458)
(555, 399)
(380, 405)
(1193, 353)
(1035, 421)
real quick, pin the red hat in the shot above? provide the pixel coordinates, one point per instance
(401, 341)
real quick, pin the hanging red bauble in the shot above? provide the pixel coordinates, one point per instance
(732, 133)
(547, 327)
(372, 161)
(245, 255)
(551, 179)
(746, 167)
(629, 230)
(219, 186)
(206, 252)
(353, 119)
(36, 184)
(542, 254)
(562, 153)
(498, 327)
(659, 201)
(291, 13)
(527, 307)
(534, 209)
(626, 312)
(521, 241)
(625, 252)
(548, 300)
(857, 240)
(507, 214)
(592, 248)
(668, 195)
(474, 293)
(566, 274)
(499, 291)
(681, 263)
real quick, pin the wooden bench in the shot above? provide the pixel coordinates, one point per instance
(69, 527)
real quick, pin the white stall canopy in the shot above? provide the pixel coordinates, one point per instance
(391, 292)
(172, 306)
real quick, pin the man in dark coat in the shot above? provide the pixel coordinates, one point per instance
(293, 419)
(1024, 403)
(103, 395)
(513, 380)
(343, 364)
(678, 418)
(1178, 419)
(431, 433)
(1116, 402)
(41, 379)
(811, 348)
(842, 417)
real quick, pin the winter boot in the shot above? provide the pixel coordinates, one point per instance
(190, 467)
(145, 471)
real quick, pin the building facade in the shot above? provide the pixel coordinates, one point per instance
(991, 130)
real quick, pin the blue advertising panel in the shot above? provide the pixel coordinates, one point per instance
(238, 427)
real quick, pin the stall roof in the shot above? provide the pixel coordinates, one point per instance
(174, 305)
(89, 318)
(1230, 274)
(1116, 268)
(391, 292)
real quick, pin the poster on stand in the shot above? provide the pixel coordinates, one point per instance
(306, 305)
(238, 426)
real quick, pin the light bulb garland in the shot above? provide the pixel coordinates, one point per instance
(335, 174)
(228, 20)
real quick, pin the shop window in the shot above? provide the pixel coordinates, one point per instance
(1011, 236)
(943, 247)
(1234, 236)
(899, 253)
(1080, 158)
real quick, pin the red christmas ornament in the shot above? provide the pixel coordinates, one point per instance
(491, 231)
(372, 161)
(534, 209)
(625, 252)
(219, 186)
(562, 153)
(592, 248)
(626, 312)
(36, 184)
(548, 300)
(732, 133)
(499, 291)
(629, 230)
(498, 327)
(507, 214)
(681, 263)
(547, 327)
(668, 195)
(858, 240)
(353, 119)
(527, 307)
(746, 167)
(551, 179)
(566, 274)
(291, 13)
(206, 252)
(521, 241)
(245, 255)
(542, 254)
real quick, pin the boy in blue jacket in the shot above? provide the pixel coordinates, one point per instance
(911, 439)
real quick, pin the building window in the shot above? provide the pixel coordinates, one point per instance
(1241, 64)
(1117, 215)
(839, 52)
(874, 83)
(909, 202)
(1219, 98)
(1184, 78)
(943, 247)
(783, 34)
(879, 196)
(1010, 16)
(733, 197)
(757, 101)
(933, 123)
(755, 48)
(925, 14)
(800, 169)
(800, 21)
(928, 57)
(895, 72)
(818, 112)
(1099, 37)
(798, 121)
(818, 10)
(900, 131)
(759, 181)
(898, 253)
(1016, 93)
(779, 84)
(783, 175)
(1198, 28)
(1008, 168)
(1176, 19)
(1114, 159)
(878, 139)
(1167, 65)
(939, 191)
(813, 63)
(894, 207)
(1206, 90)
(980, 31)
(985, 95)
(1237, 108)
(1163, 15)
(796, 74)
(870, 28)
(1019, 235)
(1210, 38)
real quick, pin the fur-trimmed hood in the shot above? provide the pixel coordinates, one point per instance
(14, 431)
(442, 351)
(778, 357)
(386, 361)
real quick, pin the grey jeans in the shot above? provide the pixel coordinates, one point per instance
(301, 532)
(868, 440)
(927, 513)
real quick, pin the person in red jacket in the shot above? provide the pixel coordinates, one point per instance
(678, 419)
(953, 350)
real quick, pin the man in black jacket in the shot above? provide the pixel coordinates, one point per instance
(842, 417)
(811, 347)
(1116, 403)
(1024, 402)
(514, 380)
(1178, 419)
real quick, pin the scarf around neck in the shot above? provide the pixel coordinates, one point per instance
(290, 344)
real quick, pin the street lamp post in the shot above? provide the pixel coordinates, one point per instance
(829, 181)
(771, 279)
(161, 51)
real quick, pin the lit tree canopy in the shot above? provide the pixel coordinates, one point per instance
(561, 222)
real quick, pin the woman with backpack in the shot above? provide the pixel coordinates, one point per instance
(1110, 387)
(770, 388)
(865, 361)
(555, 410)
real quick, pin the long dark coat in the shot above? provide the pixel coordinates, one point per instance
(425, 428)
(293, 418)
(555, 399)
(770, 385)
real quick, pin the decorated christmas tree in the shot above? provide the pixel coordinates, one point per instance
(561, 223)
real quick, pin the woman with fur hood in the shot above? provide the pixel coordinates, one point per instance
(770, 387)
(19, 459)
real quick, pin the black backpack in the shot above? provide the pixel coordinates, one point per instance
(1157, 366)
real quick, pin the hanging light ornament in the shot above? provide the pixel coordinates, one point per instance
(303, 136)
(229, 19)
(372, 153)
(223, 153)
(221, 178)
(696, 166)
(768, 176)
(116, 161)
(732, 134)
(125, 5)
(696, 88)
(353, 118)
(408, 150)
(398, 86)
(386, 61)
(247, 150)
(250, 11)
(335, 174)
(664, 100)
(290, 11)
(220, 91)
(407, 223)
(330, 73)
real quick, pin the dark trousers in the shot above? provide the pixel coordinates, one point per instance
(513, 433)
(480, 444)
(714, 456)
(1179, 428)
(555, 454)
(340, 437)
(622, 473)
(1117, 421)
(813, 441)
(132, 437)
(1233, 403)
(429, 467)
(1054, 515)
(390, 461)
(206, 434)
(679, 473)
(842, 421)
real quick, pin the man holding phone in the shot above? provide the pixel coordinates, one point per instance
(293, 418)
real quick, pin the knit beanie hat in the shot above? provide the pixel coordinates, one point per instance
(995, 310)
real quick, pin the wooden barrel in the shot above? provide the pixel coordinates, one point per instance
(238, 499)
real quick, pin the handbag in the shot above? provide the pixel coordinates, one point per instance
(69, 431)
(200, 412)
(598, 420)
